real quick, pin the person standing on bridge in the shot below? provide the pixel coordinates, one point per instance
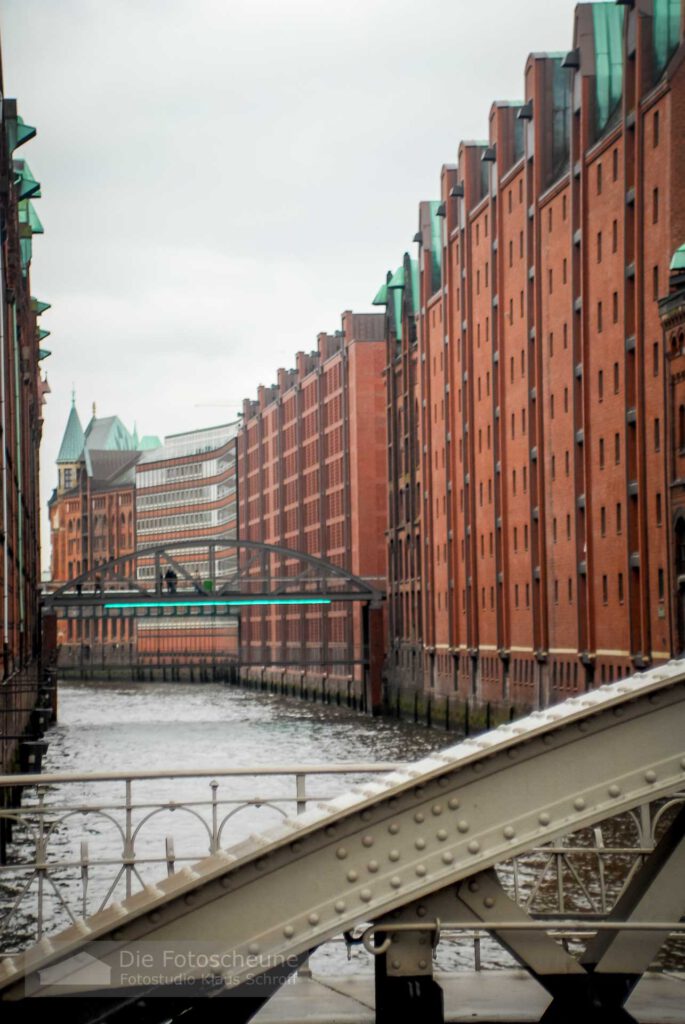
(171, 578)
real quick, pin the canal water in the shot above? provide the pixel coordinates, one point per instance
(143, 728)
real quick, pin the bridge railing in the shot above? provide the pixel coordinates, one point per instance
(75, 844)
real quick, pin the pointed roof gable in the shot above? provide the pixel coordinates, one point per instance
(71, 448)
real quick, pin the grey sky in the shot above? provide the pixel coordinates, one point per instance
(221, 178)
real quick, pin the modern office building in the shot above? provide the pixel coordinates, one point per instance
(186, 490)
(531, 548)
(311, 477)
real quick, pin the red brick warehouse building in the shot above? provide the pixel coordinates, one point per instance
(311, 477)
(528, 547)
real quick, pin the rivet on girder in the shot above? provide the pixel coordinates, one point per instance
(154, 917)
(614, 790)
(421, 910)
(508, 832)
(341, 853)
(190, 898)
(420, 844)
(296, 846)
(441, 834)
(365, 895)
(544, 818)
(313, 919)
(436, 809)
(419, 817)
(489, 902)
(619, 712)
(474, 846)
(365, 815)
(225, 882)
(474, 886)
(393, 828)
(372, 866)
(420, 870)
(547, 740)
(260, 863)
(423, 964)
(447, 857)
(650, 776)
(288, 931)
(453, 803)
(367, 841)
(394, 855)
(396, 964)
(253, 948)
(340, 907)
(442, 782)
(330, 831)
(583, 726)
(395, 881)
(579, 803)
(463, 826)
(352, 876)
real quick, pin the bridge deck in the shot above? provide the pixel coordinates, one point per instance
(483, 997)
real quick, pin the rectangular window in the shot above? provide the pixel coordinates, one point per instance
(658, 509)
(565, 399)
(599, 246)
(600, 385)
(655, 359)
(554, 530)
(657, 434)
(601, 453)
(620, 587)
(617, 379)
(655, 283)
(603, 521)
(556, 591)
(617, 449)
(615, 162)
(655, 206)
(660, 580)
(570, 590)
(568, 462)
(568, 527)
(599, 179)
(554, 467)
(615, 307)
(614, 236)
(619, 524)
(655, 129)
(605, 590)
(599, 317)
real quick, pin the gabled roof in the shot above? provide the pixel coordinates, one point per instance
(108, 434)
(109, 468)
(71, 448)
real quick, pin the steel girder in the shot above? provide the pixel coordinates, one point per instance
(392, 842)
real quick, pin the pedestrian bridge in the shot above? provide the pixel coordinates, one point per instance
(396, 862)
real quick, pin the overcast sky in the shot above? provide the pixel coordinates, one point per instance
(222, 178)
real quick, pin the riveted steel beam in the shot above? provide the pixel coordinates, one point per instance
(392, 841)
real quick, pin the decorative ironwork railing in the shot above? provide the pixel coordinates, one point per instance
(73, 844)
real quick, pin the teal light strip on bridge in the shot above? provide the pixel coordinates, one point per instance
(221, 604)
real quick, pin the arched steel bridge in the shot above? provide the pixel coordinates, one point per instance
(401, 858)
(243, 570)
(223, 576)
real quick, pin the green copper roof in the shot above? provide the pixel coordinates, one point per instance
(28, 215)
(18, 133)
(436, 245)
(42, 334)
(39, 307)
(678, 260)
(43, 353)
(665, 32)
(608, 24)
(28, 186)
(381, 297)
(25, 252)
(148, 443)
(74, 438)
(397, 279)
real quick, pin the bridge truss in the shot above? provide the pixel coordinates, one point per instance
(222, 578)
(403, 857)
